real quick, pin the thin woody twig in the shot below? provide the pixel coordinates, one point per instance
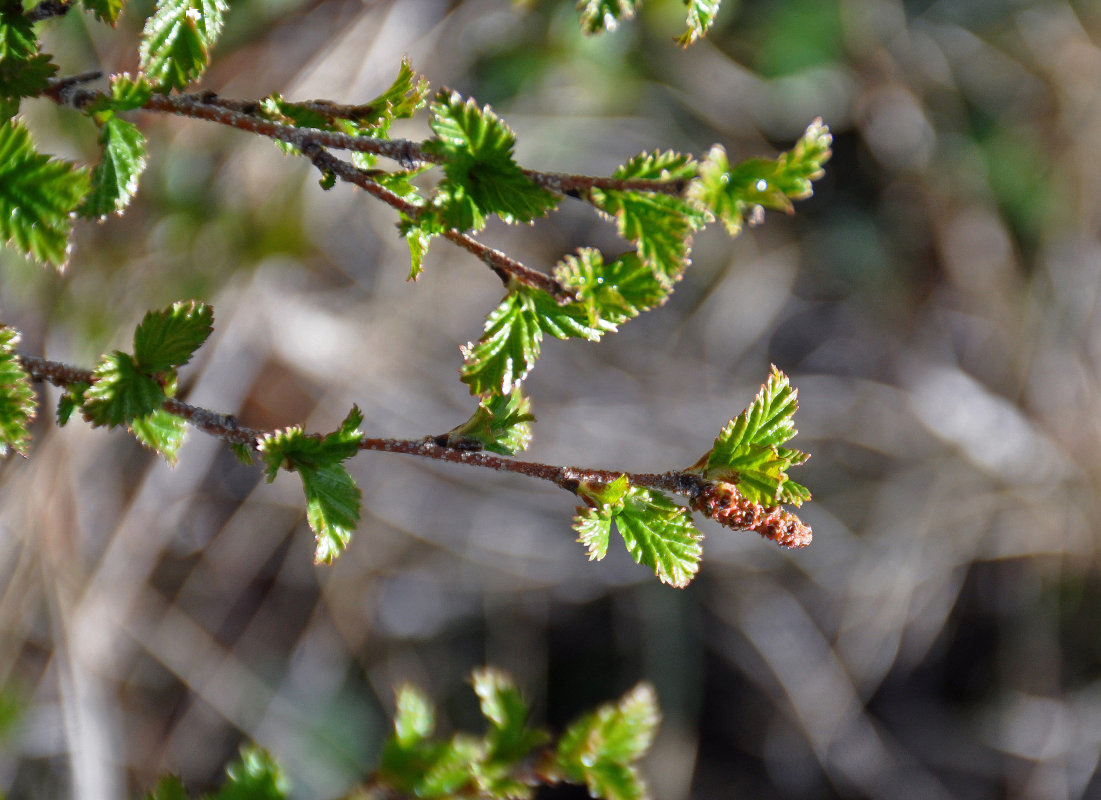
(244, 115)
(506, 267)
(225, 427)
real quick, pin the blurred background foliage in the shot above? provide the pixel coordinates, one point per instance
(936, 302)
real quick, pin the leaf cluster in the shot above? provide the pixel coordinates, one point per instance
(332, 496)
(130, 389)
(750, 451)
(508, 761)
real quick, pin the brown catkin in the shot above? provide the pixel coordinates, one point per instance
(726, 505)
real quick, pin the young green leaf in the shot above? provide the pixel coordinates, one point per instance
(509, 738)
(505, 354)
(513, 334)
(701, 16)
(750, 450)
(177, 39)
(602, 749)
(481, 175)
(106, 10)
(732, 193)
(160, 431)
(598, 16)
(37, 197)
(332, 496)
(500, 424)
(24, 71)
(168, 338)
(71, 399)
(121, 393)
(332, 508)
(129, 93)
(17, 402)
(658, 533)
(115, 178)
(254, 776)
(612, 292)
(415, 718)
(660, 225)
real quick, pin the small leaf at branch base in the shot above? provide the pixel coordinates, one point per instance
(243, 453)
(500, 424)
(71, 399)
(17, 400)
(37, 197)
(167, 339)
(162, 432)
(115, 178)
(601, 749)
(121, 393)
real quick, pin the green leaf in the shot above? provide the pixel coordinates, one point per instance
(598, 16)
(734, 193)
(37, 197)
(594, 530)
(500, 424)
(23, 70)
(176, 41)
(106, 10)
(660, 225)
(17, 401)
(162, 432)
(611, 292)
(121, 392)
(701, 15)
(332, 497)
(71, 399)
(415, 718)
(505, 354)
(482, 177)
(129, 93)
(750, 450)
(509, 738)
(601, 749)
(514, 330)
(254, 776)
(115, 178)
(243, 453)
(594, 523)
(332, 508)
(168, 338)
(418, 240)
(658, 533)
